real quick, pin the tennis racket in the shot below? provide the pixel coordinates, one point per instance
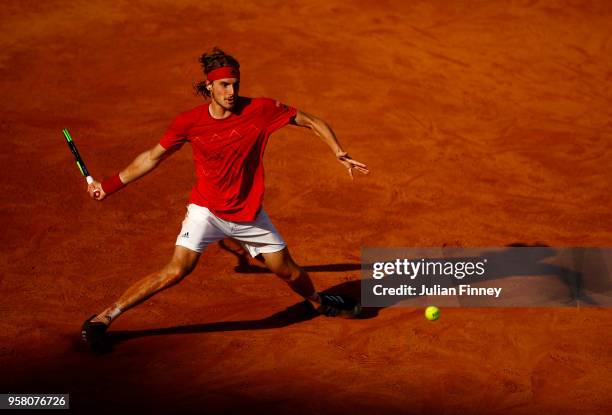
(79, 161)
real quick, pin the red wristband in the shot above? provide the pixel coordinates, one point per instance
(112, 184)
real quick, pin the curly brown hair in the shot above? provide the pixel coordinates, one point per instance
(210, 61)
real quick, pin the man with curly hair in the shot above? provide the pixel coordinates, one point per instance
(228, 135)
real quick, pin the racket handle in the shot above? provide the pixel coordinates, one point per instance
(90, 180)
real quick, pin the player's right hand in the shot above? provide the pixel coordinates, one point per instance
(95, 191)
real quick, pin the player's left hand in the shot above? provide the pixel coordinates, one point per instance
(350, 164)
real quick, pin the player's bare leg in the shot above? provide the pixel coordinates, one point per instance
(246, 263)
(182, 264)
(298, 279)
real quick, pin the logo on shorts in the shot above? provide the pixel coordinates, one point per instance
(185, 235)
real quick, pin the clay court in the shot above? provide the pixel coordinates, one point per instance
(484, 124)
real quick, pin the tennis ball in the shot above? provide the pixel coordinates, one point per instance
(432, 313)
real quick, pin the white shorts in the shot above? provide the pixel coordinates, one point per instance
(202, 228)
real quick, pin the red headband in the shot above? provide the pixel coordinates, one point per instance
(223, 72)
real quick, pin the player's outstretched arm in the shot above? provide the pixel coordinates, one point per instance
(140, 166)
(324, 131)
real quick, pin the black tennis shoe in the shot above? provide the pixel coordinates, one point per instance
(336, 305)
(93, 333)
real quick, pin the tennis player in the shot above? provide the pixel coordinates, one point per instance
(228, 136)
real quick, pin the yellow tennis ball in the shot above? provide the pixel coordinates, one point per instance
(432, 313)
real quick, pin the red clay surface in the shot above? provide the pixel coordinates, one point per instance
(484, 124)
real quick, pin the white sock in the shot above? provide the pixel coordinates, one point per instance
(109, 316)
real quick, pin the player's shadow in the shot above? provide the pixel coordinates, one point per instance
(302, 311)
(294, 314)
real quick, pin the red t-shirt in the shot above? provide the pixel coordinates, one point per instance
(228, 154)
